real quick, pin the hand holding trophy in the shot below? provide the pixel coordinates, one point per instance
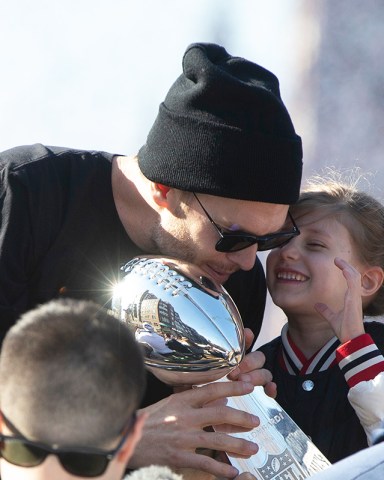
(192, 333)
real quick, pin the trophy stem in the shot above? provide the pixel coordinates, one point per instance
(285, 451)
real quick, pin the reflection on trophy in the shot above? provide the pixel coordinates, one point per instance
(191, 333)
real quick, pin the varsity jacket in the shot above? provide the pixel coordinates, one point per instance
(337, 396)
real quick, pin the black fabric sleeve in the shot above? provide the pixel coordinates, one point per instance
(15, 249)
(249, 292)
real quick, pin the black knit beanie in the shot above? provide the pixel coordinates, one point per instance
(224, 130)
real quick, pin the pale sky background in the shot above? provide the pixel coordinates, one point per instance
(91, 73)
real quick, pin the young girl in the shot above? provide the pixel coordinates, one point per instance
(328, 363)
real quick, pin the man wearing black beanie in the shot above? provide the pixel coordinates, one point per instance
(211, 185)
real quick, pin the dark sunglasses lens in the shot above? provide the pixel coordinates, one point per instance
(229, 243)
(276, 242)
(21, 454)
(235, 243)
(83, 464)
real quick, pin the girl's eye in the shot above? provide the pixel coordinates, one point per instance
(315, 245)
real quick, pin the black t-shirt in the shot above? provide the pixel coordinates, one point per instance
(60, 234)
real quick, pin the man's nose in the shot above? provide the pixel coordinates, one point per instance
(245, 259)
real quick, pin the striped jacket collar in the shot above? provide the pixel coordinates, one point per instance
(294, 361)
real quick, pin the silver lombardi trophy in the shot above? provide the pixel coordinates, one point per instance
(192, 333)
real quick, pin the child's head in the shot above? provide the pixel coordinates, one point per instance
(329, 198)
(70, 375)
(359, 212)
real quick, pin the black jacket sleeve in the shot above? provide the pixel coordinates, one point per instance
(249, 292)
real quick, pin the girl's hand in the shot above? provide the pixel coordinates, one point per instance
(348, 322)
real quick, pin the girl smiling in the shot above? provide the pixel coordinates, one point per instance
(328, 363)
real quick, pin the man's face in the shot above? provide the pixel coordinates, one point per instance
(187, 233)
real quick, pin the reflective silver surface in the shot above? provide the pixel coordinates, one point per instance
(189, 327)
(192, 333)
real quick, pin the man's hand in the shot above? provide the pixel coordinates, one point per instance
(250, 369)
(175, 427)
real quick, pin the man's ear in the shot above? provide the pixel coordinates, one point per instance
(132, 440)
(371, 280)
(159, 194)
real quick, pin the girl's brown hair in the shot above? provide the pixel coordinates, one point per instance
(363, 216)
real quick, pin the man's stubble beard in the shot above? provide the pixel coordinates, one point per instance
(172, 244)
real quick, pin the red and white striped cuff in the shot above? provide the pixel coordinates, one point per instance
(359, 359)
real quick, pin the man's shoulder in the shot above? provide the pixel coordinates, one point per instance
(35, 165)
(27, 154)
(38, 154)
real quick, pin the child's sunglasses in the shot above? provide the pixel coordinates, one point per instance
(83, 462)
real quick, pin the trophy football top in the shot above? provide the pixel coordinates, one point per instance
(187, 324)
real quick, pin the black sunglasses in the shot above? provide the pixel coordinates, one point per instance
(236, 241)
(83, 462)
